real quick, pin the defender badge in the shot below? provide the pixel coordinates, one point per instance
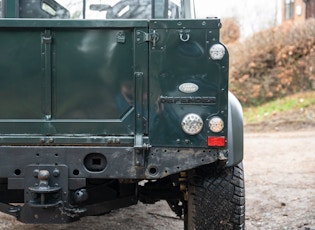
(188, 87)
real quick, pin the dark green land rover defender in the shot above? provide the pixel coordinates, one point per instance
(107, 103)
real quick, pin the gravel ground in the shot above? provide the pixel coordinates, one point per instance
(280, 180)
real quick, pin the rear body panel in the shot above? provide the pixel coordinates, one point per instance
(103, 100)
(116, 84)
(113, 84)
(70, 78)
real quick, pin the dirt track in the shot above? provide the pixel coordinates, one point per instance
(280, 190)
(280, 180)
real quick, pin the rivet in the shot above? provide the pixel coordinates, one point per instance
(35, 173)
(56, 173)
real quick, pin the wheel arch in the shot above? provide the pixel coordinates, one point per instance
(235, 131)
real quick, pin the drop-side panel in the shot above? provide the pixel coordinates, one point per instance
(69, 78)
(93, 79)
(20, 74)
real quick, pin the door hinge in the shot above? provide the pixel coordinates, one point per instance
(142, 36)
(47, 37)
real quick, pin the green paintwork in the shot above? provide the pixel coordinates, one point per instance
(64, 78)
(174, 62)
(104, 99)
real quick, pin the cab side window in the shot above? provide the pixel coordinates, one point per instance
(42, 9)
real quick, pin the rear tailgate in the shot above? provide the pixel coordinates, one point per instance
(71, 79)
(180, 57)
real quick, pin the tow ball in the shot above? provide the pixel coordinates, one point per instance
(44, 194)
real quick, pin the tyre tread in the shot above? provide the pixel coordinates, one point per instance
(217, 199)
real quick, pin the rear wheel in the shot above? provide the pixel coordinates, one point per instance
(216, 199)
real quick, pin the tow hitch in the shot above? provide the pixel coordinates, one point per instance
(46, 196)
(42, 194)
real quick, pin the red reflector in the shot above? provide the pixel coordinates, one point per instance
(216, 141)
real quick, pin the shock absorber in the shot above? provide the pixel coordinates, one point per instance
(183, 184)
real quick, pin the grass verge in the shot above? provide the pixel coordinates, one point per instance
(297, 108)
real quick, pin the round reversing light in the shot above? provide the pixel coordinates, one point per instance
(216, 124)
(217, 52)
(192, 124)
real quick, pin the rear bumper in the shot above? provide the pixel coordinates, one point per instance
(101, 162)
(53, 178)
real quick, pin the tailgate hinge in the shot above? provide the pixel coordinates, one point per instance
(142, 36)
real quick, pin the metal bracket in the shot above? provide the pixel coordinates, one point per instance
(121, 37)
(46, 185)
(47, 37)
(10, 209)
(142, 37)
(184, 35)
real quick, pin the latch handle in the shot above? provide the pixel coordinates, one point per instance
(142, 36)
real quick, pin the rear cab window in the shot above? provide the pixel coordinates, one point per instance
(91, 9)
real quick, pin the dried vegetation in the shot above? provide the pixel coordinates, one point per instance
(272, 63)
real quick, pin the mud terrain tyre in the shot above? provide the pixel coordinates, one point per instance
(216, 199)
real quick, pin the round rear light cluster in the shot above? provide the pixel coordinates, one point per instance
(192, 124)
(216, 124)
(217, 52)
